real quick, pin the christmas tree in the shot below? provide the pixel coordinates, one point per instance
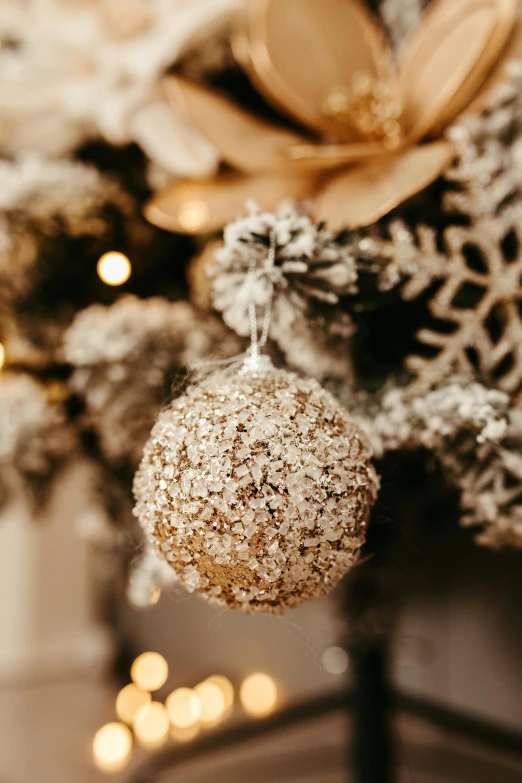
(294, 228)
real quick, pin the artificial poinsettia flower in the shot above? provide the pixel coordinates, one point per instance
(372, 129)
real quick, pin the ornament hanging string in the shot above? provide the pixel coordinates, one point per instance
(258, 342)
(250, 360)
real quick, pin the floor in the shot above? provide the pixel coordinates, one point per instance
(47, 733)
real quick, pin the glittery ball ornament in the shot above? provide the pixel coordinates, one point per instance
(256, 488)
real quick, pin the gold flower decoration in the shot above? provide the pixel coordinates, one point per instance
(372, 129)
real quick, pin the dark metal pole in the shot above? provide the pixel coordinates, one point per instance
(372, 753)
(368, 609)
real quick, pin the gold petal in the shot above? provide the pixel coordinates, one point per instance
(205, 206)
(506, 37)
(246, 142)
(169, 140)
(301, 50)
(512, 51)
(239, 38)
(448, 57)
(330, 156)
(362, 194)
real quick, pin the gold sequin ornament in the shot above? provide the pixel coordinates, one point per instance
(256, 487)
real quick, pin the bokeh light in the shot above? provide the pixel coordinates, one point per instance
(112, 747)
(114, 268)
(2, 356)
(212, 701)
(258, 694)
(151, 724)
(226, 688)
(129, 700)
(140, 597)
(155, 595)
(184, 708)
(150, 671)
(193, 215)
(335, 660)
(185, 735)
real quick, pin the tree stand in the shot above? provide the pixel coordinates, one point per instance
(368, 614)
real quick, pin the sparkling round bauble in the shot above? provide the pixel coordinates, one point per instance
(256, 488)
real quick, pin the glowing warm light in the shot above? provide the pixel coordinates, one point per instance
(226, 688)
(129, 700)
(184, 708)
(258, 694)
(2, 356)
(112, 747)
(335, 660)
(193, 215)
(155, 595)
(114, 268)
(185, 735)
(151, 724)
(150, 671)
(212, 701)
(141, 598)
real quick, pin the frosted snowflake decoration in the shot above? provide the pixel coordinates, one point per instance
(472, 272)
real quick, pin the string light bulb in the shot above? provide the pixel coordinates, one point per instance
(129, 700)
(184, 708)
(226, 688)
(150, 671)
(114, 268)
(335, 660)
(185, 735)
(155, 595)
(193, 215)
(258, 694)
(112, 747)
(212, 701)
(151, 725)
